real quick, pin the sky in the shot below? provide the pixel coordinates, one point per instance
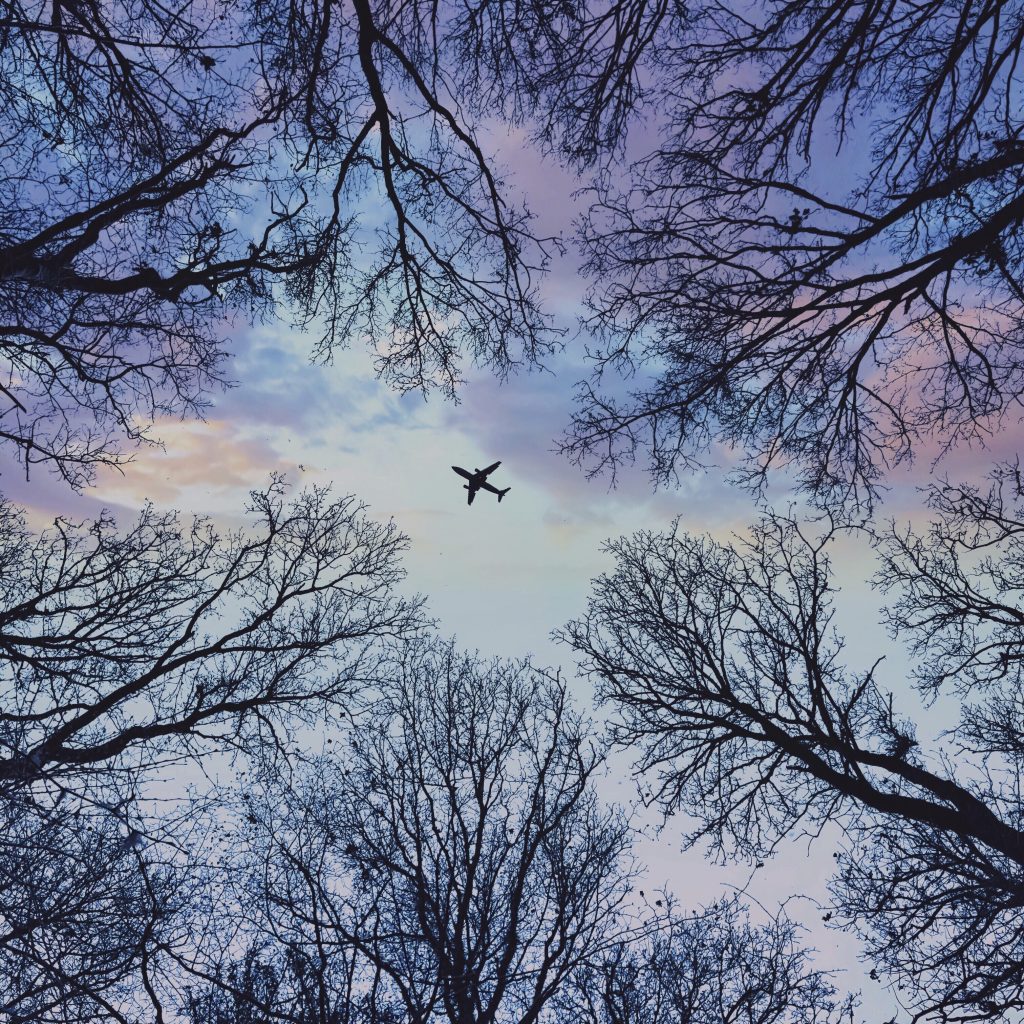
(499, 578)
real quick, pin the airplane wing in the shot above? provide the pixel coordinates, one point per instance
(463, 472)
(490, 469)
(471, 495)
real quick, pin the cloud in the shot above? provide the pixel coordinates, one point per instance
(203, 466)
(44, 496)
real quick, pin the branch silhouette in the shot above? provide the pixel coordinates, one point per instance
(725, 674)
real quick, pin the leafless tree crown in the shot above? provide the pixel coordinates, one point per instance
(167, 170)
(727, 676)
(131, 658)
(455, 857)
(819, 261)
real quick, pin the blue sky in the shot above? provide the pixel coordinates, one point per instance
(499, 578)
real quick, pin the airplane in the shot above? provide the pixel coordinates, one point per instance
(477, 479)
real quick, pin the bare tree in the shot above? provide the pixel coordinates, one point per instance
(457, 847)
(128, 655)
(576, 74)
(273, 984)
(250, 987)
(959, 589)
(116, 644)
(76, 913)
(726, 673)
(820, 261)
(166, 170)
(711, 968)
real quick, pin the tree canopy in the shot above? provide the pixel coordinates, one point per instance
(167, 170)
(803, 240)
(455, 847)
(818, 262)
(128, 660)
(726, 675)
(815, 263)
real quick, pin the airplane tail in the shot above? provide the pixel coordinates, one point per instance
(501, 494)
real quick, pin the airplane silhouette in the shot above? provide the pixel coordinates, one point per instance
(477, 479)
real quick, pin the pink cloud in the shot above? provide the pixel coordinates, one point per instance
(200, 465)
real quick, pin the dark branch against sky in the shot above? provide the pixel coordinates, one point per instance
(244, 775)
